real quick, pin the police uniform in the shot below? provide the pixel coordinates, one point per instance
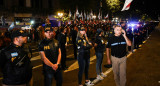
(74, 35)
(51, 48)
(15, 63)
(99, 49)
(136, 38)
(83, 57)
(62, 42)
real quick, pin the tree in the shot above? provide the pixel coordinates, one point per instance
(114, 5)
(145, 17)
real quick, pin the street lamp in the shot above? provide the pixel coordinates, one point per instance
(94, 17)
(32, 22)
(60, 14)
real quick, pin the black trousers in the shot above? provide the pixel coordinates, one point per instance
(83, 62)
(75, 50)
(48, 77)
(63, 57)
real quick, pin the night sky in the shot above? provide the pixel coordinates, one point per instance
(150, 7)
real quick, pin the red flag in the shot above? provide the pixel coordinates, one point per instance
(127, 5)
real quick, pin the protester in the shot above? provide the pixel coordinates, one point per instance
(118, 44)
(83, 46)
(15, 61)
(50, 53)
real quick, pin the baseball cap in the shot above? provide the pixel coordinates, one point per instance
(81, 29)
(18, 33)
(48, 29)
(99, 31)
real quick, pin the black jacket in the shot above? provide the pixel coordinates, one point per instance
(100, 44)
(15, 64)
(62, 40)
(83, 45)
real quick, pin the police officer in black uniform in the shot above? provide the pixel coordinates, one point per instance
(63, 44)
(99, 50)
(136, 38)
(83, 46)
(50, 53)
(130, 36)
(74, 36)
(15, 61)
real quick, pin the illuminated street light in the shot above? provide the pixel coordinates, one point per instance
(60, 14)
(32, 22)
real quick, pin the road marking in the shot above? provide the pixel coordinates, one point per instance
(76, 66)
(106, 73)
(37, 66)
(144, 41)
(36, 58)
(70, 55)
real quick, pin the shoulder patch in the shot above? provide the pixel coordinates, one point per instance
(14, 54)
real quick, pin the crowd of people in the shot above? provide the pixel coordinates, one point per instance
(15, 55)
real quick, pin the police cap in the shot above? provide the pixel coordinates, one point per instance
(17, 33)
(48, 29)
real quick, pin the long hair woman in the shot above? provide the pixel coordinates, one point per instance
(83, 46)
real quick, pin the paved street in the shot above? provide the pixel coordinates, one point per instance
(142, 66)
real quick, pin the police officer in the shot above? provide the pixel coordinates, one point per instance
(130, 36)
(15, 61)
(83, 46)
(123, 25)
(99, 50)
(50, 53)
(63, 44)
(74, 35)
(136, 38)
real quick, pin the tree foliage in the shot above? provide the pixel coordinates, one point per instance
(114, 5)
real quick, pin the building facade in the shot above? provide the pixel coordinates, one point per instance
(36, 8)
